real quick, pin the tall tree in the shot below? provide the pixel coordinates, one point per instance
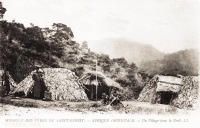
(2, 36)
(84, 47)
(2, 10)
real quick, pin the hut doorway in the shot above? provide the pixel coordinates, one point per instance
(90, 90)
(166, 97)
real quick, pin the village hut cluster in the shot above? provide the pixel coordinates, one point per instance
(63, 84)
(181, 92)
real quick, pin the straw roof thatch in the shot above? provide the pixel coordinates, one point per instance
(89, 78)
(189, 94)
(12, 83)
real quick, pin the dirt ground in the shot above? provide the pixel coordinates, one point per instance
(24, 106)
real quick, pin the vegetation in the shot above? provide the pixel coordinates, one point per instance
(2, 10)
(22, 47)
(185, 62)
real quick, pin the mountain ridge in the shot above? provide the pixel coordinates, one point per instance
(131, 50)
(184, 62)
(149, 59)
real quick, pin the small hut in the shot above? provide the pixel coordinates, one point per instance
(180, 92)
(62, 84)
(96, 83)
(10, 82)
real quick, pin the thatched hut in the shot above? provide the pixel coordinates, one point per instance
(96, 83)
(11, 83)
(181, 92)
(62, 84)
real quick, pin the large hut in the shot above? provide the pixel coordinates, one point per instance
(62, 84)
(96, 83)
(181, 92)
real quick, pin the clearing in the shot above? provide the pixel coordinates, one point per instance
(24, 106)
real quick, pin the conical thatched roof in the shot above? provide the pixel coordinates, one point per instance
(63, 84)
(89, 78)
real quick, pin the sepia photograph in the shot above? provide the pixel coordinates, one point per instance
(99, 63)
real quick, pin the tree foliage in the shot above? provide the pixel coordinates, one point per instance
(2, 10)
(121, 62)
(185, 62)
(21, 47)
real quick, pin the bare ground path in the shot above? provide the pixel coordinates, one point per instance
(21, 106)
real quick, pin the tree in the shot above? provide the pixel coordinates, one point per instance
(2, 10)
(184, 62)
(105, 62)
(84, 47)
(62, 32)
(24, 46)
(132, 68)
(60, 39)
(2, 36)
(36, 39)
(121, 62)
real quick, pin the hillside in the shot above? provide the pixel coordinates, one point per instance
(130, 50)
(148, 59)
(22, 48)
(185, 62)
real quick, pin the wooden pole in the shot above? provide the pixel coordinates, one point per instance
(91, 92)
(96, 80)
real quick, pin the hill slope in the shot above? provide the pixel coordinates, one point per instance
(132, 51)
(185, 62)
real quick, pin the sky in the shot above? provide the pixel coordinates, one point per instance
(168, 25)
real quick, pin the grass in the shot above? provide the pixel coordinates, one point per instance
(18, 103)
(131, 107)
